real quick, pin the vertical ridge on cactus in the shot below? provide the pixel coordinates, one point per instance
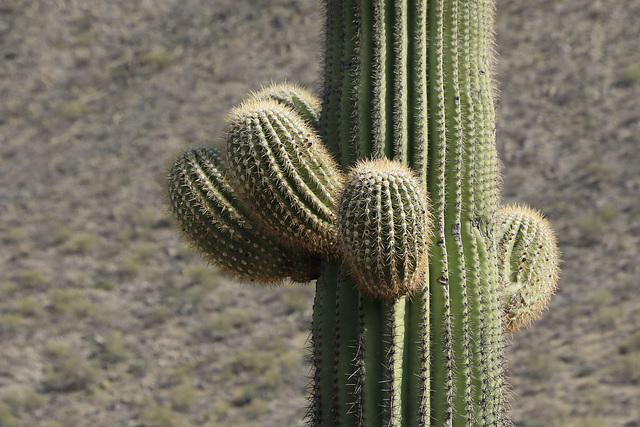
(528, 260)
(283, 168)
(206, 207)
(411, 81)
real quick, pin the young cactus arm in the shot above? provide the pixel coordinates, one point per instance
(528, 259)
(295, 97)
(384, 230)
(212, 217)
(283, 169)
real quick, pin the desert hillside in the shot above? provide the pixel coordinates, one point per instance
(108, 319)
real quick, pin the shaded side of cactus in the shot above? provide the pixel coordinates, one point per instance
(411, 80)
(384, 229)
(528, 260)
(282, 168)
(213, 218)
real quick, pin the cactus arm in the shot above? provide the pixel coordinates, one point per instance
(285, 169)
(528, 260)
(294, 97)
(213, 218)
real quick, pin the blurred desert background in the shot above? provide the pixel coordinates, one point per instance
(108, 319)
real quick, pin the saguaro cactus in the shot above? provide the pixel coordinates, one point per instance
(415, 292)
(412, 81)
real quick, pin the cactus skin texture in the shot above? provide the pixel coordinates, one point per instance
(384, 229)
(210, 214)
(283, 166)
(528, 260)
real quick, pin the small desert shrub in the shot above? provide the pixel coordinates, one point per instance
(30, 306)
(32, 278)
(625, 369)
(161, 416)
(69, 302)
(71, 374)
(182, 396)
(223, 324)
(591, 229)
(630, 344)
(23, 398)
(7, 417)
(72, 110)
(114, 349)
(13, 235)
(159, 58)
(10, 322)
(151, 217)
(585, 421)
(630, 75)
(199, 274)
(81, 242)
(135, 261)
(298, 298)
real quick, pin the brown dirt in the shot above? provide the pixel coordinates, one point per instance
(107, 319)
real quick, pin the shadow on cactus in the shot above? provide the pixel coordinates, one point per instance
(386, 192)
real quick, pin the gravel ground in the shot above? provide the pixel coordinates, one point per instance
(106, 318)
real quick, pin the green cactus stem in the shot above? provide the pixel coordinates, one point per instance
(384, 229)
(211, 216)
(411, 80)
(528, 260)
(284, 170)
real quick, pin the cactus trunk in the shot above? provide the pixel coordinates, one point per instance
(411, 80)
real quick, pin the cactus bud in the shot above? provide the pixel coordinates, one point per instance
(528, 260)
(295, 97)
(384, 229)
(207, 208)
(286, 173)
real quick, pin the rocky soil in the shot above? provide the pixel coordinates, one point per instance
(108, 319)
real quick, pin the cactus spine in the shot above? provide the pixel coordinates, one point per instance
(411, 81)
